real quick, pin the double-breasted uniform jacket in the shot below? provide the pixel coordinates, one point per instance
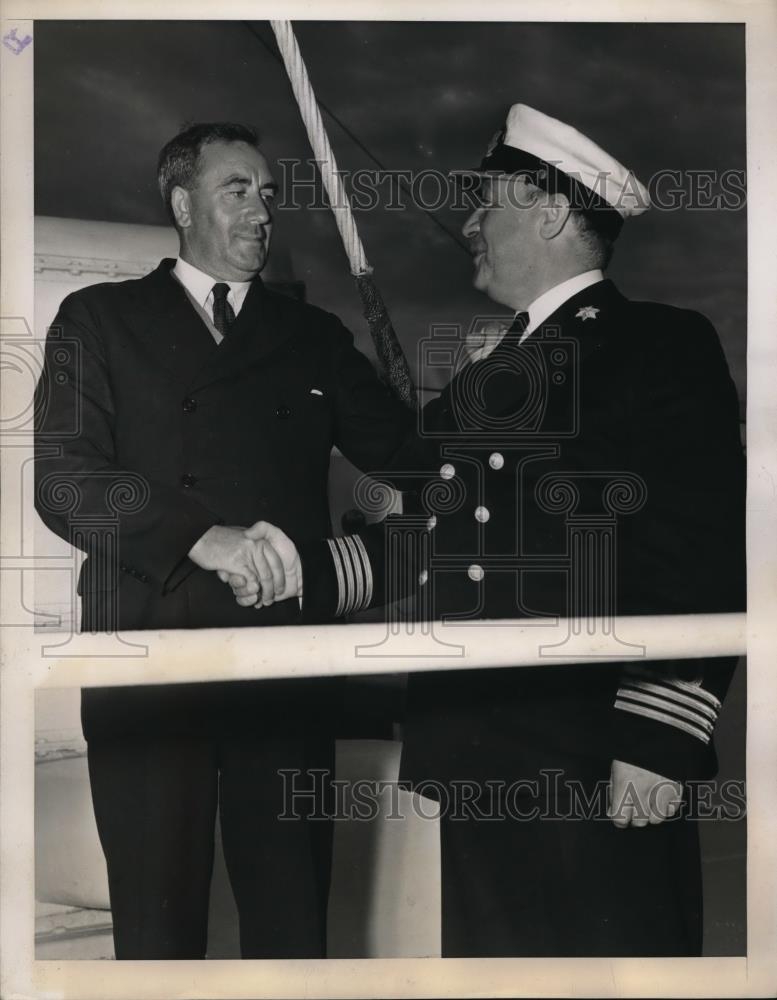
(605, 447)
(149, 433)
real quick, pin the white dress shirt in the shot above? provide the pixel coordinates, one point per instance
(199, 287)
(547, 303)
(539, 310)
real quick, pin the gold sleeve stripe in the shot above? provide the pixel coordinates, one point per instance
(686, 687)
(651, 713)
(340, 578)
(368, 582)
(664, 691)
(358, 574)
(348, 571)
(662, 703)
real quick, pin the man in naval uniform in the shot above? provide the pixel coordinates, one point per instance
(173, 408)
(591, 411)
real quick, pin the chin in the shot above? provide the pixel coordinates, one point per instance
(252, 264)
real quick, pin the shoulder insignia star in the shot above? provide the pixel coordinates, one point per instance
(587, 312)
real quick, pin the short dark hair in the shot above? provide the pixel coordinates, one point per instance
(597, 234)
(179, 158)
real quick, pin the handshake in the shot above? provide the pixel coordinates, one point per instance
(261, 563)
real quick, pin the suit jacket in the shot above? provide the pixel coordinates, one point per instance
(612, 433)
(149, 433)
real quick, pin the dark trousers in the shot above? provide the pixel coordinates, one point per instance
(562, 887)
(155, 799)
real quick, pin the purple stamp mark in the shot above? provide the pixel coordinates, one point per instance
(16, 45)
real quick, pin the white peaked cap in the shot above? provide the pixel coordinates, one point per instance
(532, 140)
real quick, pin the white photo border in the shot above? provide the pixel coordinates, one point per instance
(24, 669)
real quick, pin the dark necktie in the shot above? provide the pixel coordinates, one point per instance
(519, 324)
(223, 313)
(512, 335)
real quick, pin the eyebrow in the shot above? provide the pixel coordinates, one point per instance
(235, 179)
(241, 179)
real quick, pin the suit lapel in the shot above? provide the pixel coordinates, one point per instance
(554, 351)
(586, 318)
(260, 328)
(167, 323)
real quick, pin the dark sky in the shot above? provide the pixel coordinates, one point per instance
(419, 96)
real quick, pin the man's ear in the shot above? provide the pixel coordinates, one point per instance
(555, 213)
(180, 202)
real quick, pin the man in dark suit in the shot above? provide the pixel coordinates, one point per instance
(171, 410)
(589, 464)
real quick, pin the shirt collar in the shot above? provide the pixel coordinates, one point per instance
(200, 285)
(549, 301)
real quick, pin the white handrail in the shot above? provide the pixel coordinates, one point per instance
(329, 650)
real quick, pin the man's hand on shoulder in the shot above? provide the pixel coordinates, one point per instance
(639, 797)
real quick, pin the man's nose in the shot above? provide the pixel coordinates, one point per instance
(472, 226)
(258, 210)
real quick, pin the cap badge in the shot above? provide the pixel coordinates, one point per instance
(497, 140)
(587, 312)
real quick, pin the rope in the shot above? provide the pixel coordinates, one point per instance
(393, 363)
(360, 144)
(396, 372)
(322, 150)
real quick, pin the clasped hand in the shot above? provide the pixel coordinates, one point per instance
(261, 563)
